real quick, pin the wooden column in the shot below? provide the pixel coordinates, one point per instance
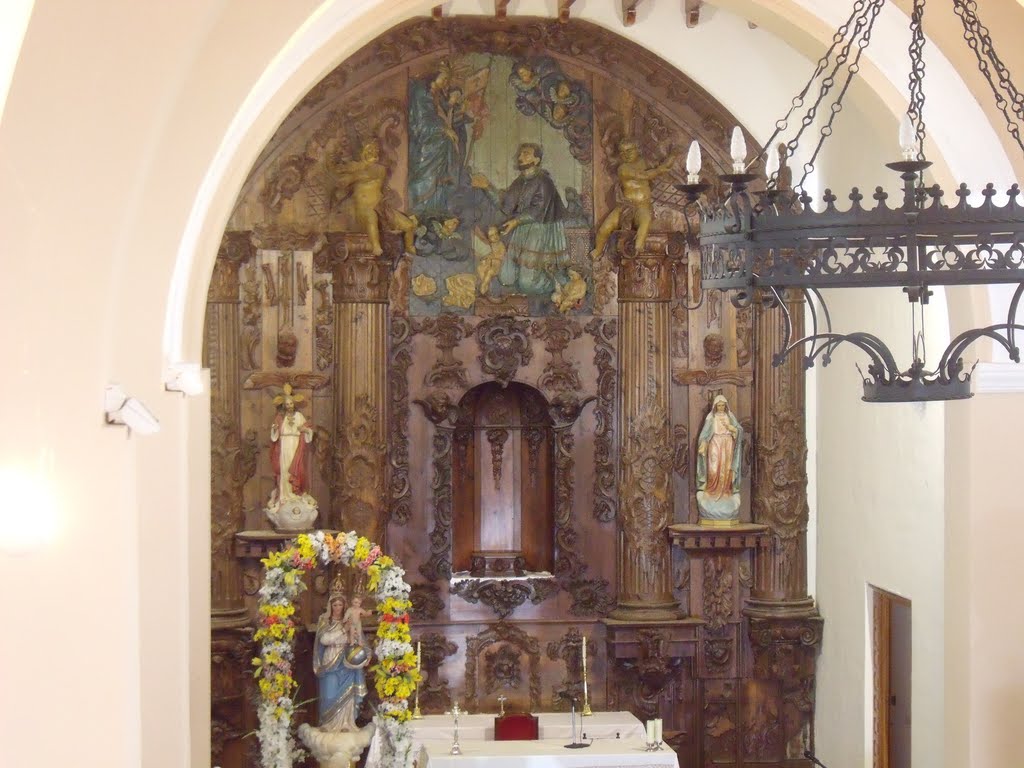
(233, 457)
(645, 449)
(780, 468)
(361, 283)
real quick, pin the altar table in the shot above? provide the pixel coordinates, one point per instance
(552, 725)
(547, 753)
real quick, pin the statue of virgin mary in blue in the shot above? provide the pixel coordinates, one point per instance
(339, 661)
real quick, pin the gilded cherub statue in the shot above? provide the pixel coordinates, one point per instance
(363, 180)
(635, 177)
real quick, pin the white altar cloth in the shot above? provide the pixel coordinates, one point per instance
(551, 725)
(549, 753)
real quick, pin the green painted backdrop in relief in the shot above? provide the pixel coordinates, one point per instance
(467, 118)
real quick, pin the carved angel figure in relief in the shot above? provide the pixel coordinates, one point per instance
(635, 177)
(363, 180)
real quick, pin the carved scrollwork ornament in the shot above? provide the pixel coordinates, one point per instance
(504, 347)
(448, 330)
(780, 500)
(399, 362)
(605, 475)
(504, 596)
(718, 591)
(435, 693)
(557, 332)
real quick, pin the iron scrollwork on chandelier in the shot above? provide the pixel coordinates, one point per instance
(760, 244)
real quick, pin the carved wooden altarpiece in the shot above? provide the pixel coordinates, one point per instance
(576, 384)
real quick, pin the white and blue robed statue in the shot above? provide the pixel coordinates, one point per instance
(719, 463)
(339, 663)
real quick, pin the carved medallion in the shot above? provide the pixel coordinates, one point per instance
(591, 597)
(426, 601)
(520, 642)
(504, 347)
(502, 669)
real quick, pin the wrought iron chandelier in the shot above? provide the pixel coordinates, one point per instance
(761, 244)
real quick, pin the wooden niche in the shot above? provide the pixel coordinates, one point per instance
(503, 482)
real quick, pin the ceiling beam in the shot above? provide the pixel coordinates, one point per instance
(563, 10)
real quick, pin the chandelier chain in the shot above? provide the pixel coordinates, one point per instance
(798, 101)
(916, 80)
(861, 38)
(979, 40)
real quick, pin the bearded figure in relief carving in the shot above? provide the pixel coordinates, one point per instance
(290, 506)
(719, 463)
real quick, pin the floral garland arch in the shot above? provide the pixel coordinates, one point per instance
(395, 672)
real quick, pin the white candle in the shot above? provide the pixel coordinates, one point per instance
(650, 731)
(584, 666)
(657, 730)
(738, 150)
(693, 163)
(908, 137)
(771, 166)
(417, 655)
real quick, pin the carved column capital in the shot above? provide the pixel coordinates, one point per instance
(648, 275)
(235, 249)
(360, 276)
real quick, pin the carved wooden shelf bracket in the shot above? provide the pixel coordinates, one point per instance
(501, 9)
(629, 12)
(693, 12)
(437, 12)
(563, 10)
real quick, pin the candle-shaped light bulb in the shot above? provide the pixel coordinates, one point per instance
(772, 163)
(693, 162)
(738, 150)
(908, 137)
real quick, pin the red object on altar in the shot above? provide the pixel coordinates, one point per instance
(516, 726)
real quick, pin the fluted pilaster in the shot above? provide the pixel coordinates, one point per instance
(360, 287)
(780, 468)
(233, 457)
(645, 488)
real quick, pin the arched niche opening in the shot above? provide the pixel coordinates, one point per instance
(503, 477)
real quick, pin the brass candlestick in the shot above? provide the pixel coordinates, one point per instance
(586, 695)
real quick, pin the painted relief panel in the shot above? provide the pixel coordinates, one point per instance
(500, 184)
